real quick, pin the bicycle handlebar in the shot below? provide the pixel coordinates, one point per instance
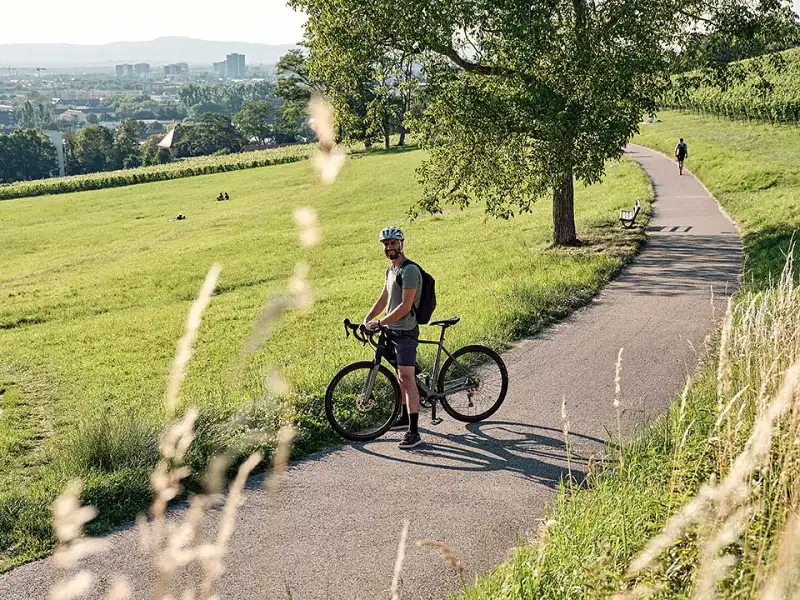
(360, 332)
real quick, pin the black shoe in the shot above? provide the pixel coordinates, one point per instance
(401, 422)
(410, 440)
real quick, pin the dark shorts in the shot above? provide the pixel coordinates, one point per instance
(404, 344)
(681, 157)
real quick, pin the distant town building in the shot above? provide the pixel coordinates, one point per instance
(141, 68)
(125, 70)
(173, 137)
(176, 69)
(72, 116)
(6, 115)
(235, 65)
(221, 68)
(57, 139)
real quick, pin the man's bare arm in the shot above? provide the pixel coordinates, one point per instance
(403, 309)
(379, 305)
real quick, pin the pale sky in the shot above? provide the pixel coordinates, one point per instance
(100, 22)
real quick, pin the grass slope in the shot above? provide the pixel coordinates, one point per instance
(95, 287)
(592, 535)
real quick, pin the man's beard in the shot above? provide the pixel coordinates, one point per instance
(392, 254)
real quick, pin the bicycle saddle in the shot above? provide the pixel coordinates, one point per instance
(446, 322)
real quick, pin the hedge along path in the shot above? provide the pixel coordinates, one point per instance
(480, 488)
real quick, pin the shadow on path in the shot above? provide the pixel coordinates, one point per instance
(529, 451)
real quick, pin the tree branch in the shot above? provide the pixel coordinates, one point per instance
(471, 67)
(686, 13)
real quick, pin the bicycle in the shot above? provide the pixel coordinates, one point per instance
(363, 400)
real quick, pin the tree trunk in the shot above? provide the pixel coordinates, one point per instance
(386, 141)
(402, 141)
(564, 212)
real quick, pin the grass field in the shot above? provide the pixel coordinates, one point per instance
(593, 535)
(753, 170)
(95, 287)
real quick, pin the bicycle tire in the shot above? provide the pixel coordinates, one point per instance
(338, 403)
(483, 358)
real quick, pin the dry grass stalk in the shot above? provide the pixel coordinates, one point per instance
(212, 555)
(783, 575)
(329, 160)
(565, 424)
(450, 558)
(398, 562)
(640, 591)
(714, 568)
(724, 372)
(733, 490)
(306, 220)
(120, 590)
(75, 587)
(281, 458)
(69, 517)
(300, 296)
(184, 351)
(617, 393)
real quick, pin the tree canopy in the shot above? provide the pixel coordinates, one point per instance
(26, 154)
(524, 97)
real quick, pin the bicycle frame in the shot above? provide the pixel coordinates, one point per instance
(426, 393)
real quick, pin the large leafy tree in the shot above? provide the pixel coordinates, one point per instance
(127, 153)
(90, 150)
(26, 154)
(294, 88)
(524, 98)
(254, 120)
(213, 134)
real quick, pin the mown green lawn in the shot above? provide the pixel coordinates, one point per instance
(754, 172)
(95, 288)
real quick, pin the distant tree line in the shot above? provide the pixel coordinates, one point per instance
(373, 101)
(26, 154)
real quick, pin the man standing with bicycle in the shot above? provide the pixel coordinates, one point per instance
(400, 295)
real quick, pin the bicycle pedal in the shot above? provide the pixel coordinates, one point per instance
(436, 421)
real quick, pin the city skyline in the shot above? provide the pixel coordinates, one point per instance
(254, 21)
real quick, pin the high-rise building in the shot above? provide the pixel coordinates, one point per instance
(176, 69)
(141, 68)
(221, 68)
(6, 115)
(235, 65)
(124, 70)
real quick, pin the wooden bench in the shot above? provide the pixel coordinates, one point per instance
(627, 217)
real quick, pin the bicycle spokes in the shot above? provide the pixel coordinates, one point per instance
(362, 401)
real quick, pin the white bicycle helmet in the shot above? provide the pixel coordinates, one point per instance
(391, 233)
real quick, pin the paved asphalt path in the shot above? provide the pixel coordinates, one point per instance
(478, 488)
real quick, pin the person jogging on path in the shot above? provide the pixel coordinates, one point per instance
(402, 324)
(681, 152)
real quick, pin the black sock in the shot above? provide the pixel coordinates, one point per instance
(413, 420)
(404, 411)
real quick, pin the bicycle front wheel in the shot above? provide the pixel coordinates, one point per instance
(356, 416)
(474, 382)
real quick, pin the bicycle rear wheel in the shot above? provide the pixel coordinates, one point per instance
(355, 417)
(474, 381)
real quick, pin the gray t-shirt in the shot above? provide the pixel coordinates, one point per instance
(412, 279)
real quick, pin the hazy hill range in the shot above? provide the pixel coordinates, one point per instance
(157, 52)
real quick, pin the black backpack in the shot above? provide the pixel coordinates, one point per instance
(427, 296)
